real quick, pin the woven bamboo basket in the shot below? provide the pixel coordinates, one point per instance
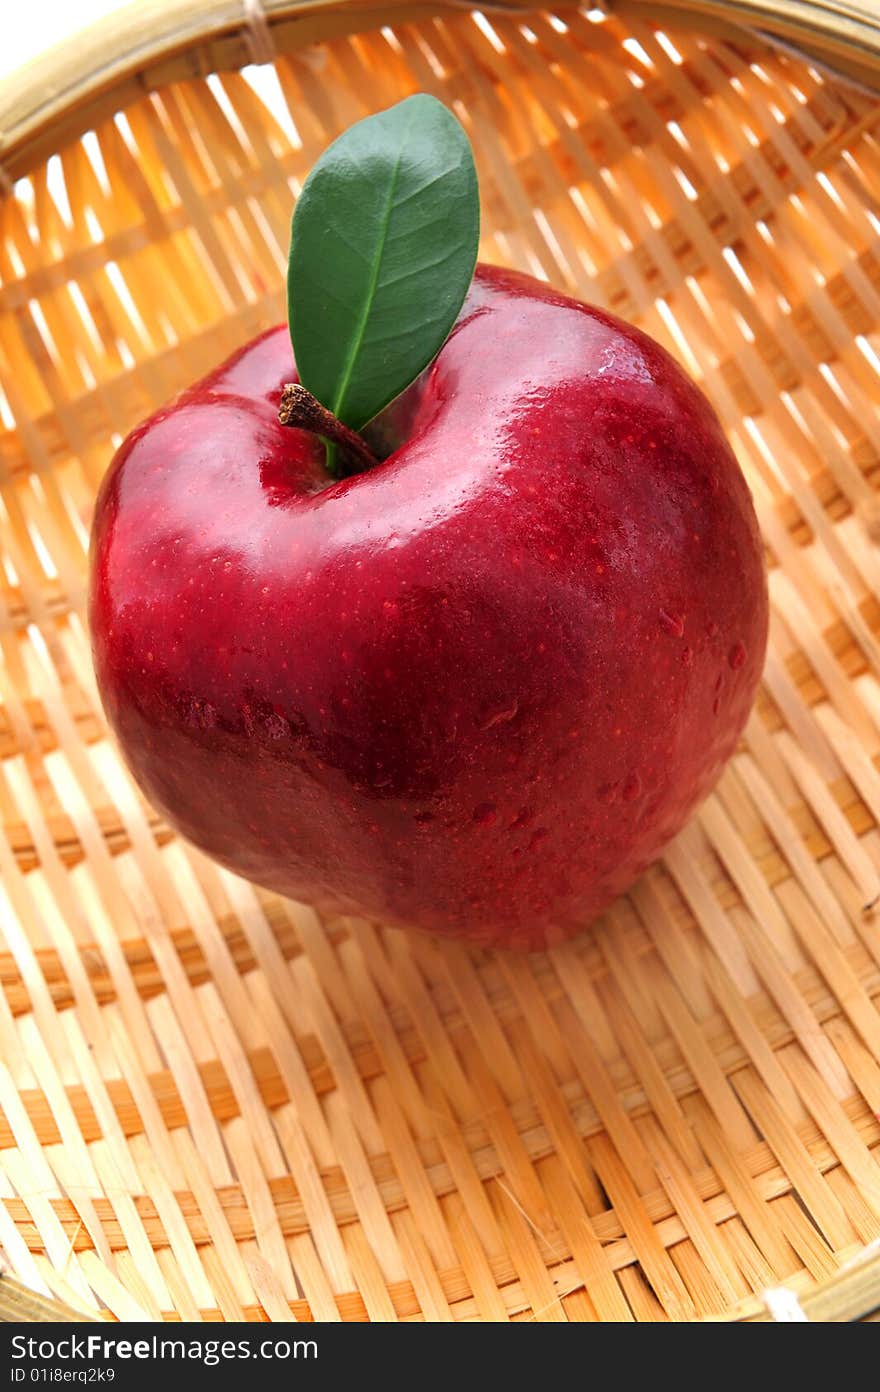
(215, 1104)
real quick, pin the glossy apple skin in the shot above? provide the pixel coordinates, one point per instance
(474, 690)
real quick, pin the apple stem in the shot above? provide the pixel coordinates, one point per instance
(298, 407)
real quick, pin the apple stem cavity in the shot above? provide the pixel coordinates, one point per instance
(300, 408)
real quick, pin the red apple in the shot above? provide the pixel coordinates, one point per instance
(478, 687)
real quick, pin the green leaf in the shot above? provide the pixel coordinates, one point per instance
(383, 248)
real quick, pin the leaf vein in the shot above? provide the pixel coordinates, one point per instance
(375, 269)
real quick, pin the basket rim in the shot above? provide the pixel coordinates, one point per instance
(56, 97)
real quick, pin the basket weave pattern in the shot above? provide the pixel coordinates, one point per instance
(215, 1104)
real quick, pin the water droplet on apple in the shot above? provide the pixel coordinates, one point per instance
(673, 623)
(737, 655)
(632, 788)
(687, 657)
(607, 793)
(712, 628)
(522, 819)
(485, 813)
(499, 715)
